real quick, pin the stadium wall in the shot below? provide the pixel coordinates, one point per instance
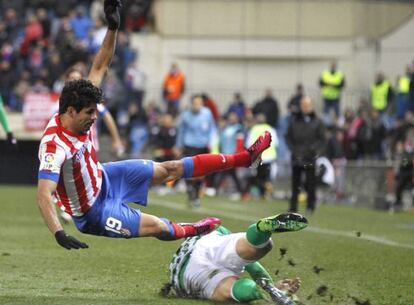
(246, 49)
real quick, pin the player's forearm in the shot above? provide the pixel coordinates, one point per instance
(48, 211)
(102, 60)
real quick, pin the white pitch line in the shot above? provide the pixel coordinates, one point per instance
(376, 239)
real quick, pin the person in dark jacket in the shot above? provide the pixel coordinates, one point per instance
(269, 107)
(305, 138)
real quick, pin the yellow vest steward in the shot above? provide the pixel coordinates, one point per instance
(379, 95)
(403, 84)
(330, 91)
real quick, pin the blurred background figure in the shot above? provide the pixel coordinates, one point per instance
(264, 173)
(294, 102)
(238, 106)
(163, 138)
(403, 93)
(269, 107)
(196, 134)
(332, 82)
(173, 89)
(404, 154)
(306, 140)
(381, 94)
(136, 81)
(231, 140)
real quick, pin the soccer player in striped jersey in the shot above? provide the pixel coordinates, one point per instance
(209, 266)
(96, 195)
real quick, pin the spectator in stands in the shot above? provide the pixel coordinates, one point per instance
(153, 113)
(196, 133)
(211, 104)
(96, 35)
(32, 32)
(163, 138)
(12, 24)
(306, 140)
(294, 102)
(22, 87)
(124, 55)
(114, 92)
(8, 77)
(137, 130)
(403, 93)
(81, 24)
(332, 82)
(405, 158)
(381, 93)
(173, 89)
(238, 106)
(269, 107)
(262, 178)
(135, 80)
(411, 92)
(371, 135)
(137, 14)
(336, 154)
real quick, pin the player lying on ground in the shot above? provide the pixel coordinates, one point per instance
(209, 266)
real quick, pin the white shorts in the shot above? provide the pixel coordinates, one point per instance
(213, 259)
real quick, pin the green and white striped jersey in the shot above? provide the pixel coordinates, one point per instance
(181, 258)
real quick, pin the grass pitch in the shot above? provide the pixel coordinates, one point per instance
(346, 256)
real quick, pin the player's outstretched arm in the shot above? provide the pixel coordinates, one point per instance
(45, 190)
(103, 58)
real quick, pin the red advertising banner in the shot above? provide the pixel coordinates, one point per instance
(38, 108)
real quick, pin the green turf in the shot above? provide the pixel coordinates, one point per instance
(35, 270)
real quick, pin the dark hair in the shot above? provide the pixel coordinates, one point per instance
(79, 94)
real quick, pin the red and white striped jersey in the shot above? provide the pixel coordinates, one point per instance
(70, 160)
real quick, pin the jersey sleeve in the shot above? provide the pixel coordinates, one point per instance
(51, 158)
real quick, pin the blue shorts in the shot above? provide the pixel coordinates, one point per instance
(123, 182)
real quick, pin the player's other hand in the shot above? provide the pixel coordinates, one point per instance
(111, 9)
(11, 140)
(69, 242)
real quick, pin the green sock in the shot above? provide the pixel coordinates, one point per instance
(3, 118)
(245, 290)
(257, 238)
(256, 271)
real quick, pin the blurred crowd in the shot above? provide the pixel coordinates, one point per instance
(37, 46)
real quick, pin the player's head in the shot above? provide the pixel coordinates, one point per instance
(306, 105)
(196, 103)
(79, 100)
(73, 73)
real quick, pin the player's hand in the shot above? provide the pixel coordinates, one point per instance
(11, 140)
(111, 9)
(68, 242)
(118, 148)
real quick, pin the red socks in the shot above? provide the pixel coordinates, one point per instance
(177, 231)
(205, 164)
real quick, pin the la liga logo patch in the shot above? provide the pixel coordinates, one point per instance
(49, 158)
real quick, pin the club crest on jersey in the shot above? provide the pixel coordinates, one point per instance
(79, 154)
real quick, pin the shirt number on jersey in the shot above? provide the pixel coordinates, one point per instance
(113, 225)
